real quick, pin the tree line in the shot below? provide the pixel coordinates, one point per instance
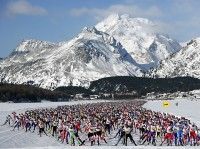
(28, 93)
(119, 87)
(140, 86)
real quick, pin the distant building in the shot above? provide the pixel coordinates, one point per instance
(78, 96)
(106, 95)
(92, 97)
(10, 102)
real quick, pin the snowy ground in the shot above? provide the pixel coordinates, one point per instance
(21, 139)
(7, 108)
(10, 139)
(188, 108)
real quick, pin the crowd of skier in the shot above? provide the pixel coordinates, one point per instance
(99, 123)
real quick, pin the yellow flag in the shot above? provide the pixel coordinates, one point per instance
(166, 104)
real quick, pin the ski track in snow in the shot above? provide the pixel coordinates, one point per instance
(22, 139)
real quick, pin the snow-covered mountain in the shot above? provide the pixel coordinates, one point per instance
(186, 62)
(89, 56)
(140, 37)
(117, 46)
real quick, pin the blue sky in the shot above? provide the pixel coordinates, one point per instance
(60, 20)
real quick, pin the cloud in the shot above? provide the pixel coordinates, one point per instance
(185, 21)
(178, 18)
(23, 7)
(132, 10)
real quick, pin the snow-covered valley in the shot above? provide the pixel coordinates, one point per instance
(21, 139)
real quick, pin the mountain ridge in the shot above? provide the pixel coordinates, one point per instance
(183, 63)
(140, 37)
(91, 55)
(96, 52)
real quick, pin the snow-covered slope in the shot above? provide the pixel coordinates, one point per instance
(186, 62)
(89, 56)
(187, 107)
(120, 46)
(140, 38)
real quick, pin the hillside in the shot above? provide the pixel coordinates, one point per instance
(141, 38)
(186, 62)
(116, 46)
(141, 86)
(27, 93)
(90, 56)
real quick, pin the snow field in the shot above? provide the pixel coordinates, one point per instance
(21, 139)
(187, 107)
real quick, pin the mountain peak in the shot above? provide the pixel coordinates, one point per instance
(90, 56)
(31, 44)
(182, 63)
(22, 46)
(122, 20)
(195, 42)
(137, 35)
(116, 17)
(112, 18)
(90, 30)
(118, 45)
